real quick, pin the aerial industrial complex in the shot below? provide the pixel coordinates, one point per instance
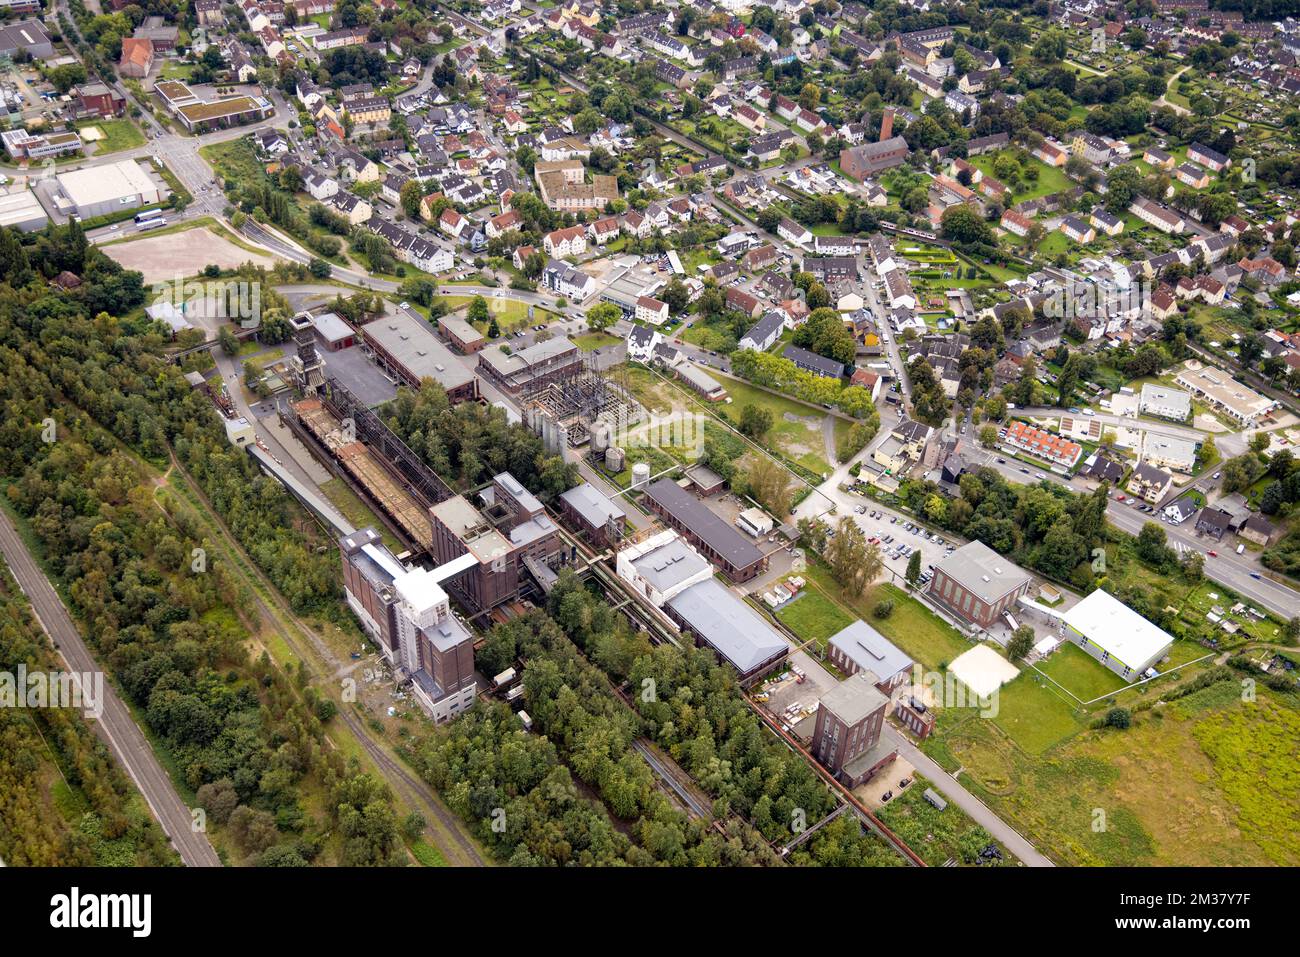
(784, 435)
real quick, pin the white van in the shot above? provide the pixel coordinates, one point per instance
(1240, 549)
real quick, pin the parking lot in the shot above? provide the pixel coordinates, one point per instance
(898, 537)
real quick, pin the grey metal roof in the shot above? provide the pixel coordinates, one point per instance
(717, 616)
(414, 345)
(982, 571)
(526, 499)
(670, 565)
(698, 378)
(855, 698)
(595, 508)
(704, 523)
(538, 352)
(870, 650)
(331, 326)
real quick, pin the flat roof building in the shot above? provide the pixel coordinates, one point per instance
(100, 190)
(524, 373)
(599, 519)
(1169, 451)
(1116, 635)
(667, 572)
(218, 114)
(334, 331)
(518, 537)
(977, 583)
(1225, 394)
(409, 349)
(846, 738)
(408, 614)
(20, 209)
(1156, 399)
(461, 333)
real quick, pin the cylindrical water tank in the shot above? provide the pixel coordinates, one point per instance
(640, 474)
(600, 437)
(614, 458)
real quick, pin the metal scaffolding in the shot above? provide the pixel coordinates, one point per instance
(576, 404)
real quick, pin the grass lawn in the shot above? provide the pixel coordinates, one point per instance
(912, 626)
(796, 427)
(798, 439)
(175, 70)
(813, 616)
(1206, 780)
(1079, 673)
(1051, 179)
(356, 511)
(937, 836)
(235, 160)
(509, 312)
(1054, 243)
(427, 854)
(590, 341)
(118, 135)
(1034, 714)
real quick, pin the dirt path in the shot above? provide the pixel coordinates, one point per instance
(1163, 101)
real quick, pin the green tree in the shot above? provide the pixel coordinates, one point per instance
(755, 421)
(1020, 643)
(603, 315)
(854, 562)
(411, 194)
(1120, 718)
(913, 568)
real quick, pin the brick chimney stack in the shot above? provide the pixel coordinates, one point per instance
(887, 125)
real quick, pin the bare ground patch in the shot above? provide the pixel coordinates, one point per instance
(164, 258)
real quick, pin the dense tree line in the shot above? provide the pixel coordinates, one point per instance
(80, 392)
(469, 443)
(108, 823)
(692, 707)
(572, 702)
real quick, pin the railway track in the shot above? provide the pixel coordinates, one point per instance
(414, 791)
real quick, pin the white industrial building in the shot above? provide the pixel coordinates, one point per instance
(100, 190)
(19, 209)
(1116, 635)
(678, 580)
(1165, 402)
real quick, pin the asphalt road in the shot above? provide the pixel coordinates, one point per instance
(115, 725)
(975, 809)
